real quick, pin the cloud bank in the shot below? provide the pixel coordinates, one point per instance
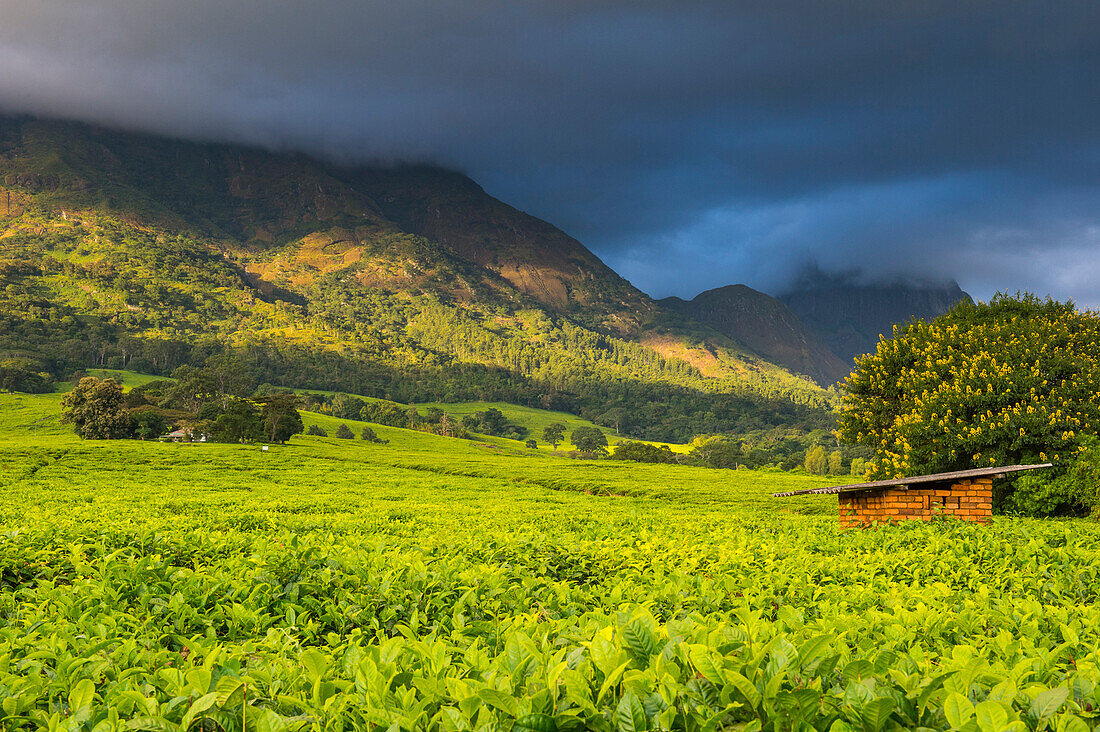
(689, 144)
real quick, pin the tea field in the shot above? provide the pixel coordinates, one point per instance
(440, 584)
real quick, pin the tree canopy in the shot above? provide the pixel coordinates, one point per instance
(589, 439)
(554, 433)
(1012, 381)
(97, 409)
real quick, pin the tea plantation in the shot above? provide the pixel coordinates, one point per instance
(440, 584)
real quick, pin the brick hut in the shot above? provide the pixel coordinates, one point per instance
(964, 494)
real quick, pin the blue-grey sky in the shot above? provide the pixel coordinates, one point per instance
(690, 144)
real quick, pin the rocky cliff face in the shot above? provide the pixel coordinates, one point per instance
(766, 326)
(534, 256)
(849, 316)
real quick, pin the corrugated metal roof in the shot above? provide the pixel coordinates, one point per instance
(904, 483)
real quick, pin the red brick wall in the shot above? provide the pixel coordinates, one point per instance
(969, 500)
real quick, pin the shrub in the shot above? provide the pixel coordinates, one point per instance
(383, 412)
(346, 407)
(643, 453)
(816, 461)
(147, 423)
(316, 431)
(241, 422)
(368, 435)
(344, 432)
(532, 444)
(1073, 491)
(493, 422)
(715, 451)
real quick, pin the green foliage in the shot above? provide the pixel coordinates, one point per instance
(1073, 491)
(836, 463)
(147, 424)
(385, 412)
(589, 439)
(344, 432)
(316, 431)
(643, 453)
(1008, 382)
(492, 422)
(221, 587)
(280, 418)
(347, 407)
(242, 421)
(369, 435)
(24, 374)
(717, 451)
(531, 444)
(816, 461)
(859, 467)
(97, 409)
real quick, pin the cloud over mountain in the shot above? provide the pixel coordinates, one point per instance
(691, 145)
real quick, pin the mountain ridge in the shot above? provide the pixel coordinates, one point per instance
(850, 315)
(125, 246)
(765, 325)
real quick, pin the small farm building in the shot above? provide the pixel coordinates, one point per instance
(963, 494)
(183, 436)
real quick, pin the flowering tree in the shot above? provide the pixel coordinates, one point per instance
(1011, 381)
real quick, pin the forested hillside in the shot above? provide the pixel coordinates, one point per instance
(130, 251)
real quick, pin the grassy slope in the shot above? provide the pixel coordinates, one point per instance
(533, 419)
(408, 450)
(128, 379)
(30, 415)
(530, 417)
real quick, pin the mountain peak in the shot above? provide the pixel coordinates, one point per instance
(766, 326)
(849, 310)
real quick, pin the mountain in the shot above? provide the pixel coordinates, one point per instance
(849, 314)
(536, 258)
(765, 325)
(128, 250)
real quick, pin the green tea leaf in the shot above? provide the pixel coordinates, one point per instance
(992, 717)
(535, 723)
(875, 714)
(640, 641)
(315, 663)
(957, 709)
(630, 714)
(1048, 702)
(80, 699)
(499, 700)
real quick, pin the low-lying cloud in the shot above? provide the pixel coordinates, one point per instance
(691, 145)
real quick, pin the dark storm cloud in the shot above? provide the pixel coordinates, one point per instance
(691, 144)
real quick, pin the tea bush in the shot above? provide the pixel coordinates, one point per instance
(439, 584)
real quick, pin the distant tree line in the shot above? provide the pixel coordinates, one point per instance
(214, 403)
(787, 450)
